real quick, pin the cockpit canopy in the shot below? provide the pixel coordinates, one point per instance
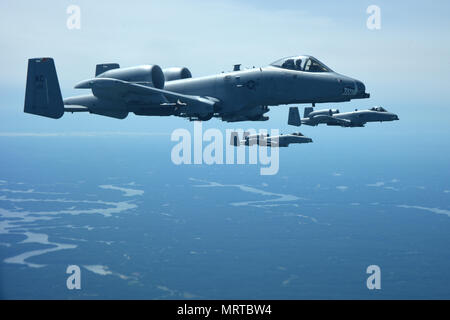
(301, 63)
(378, 109)
(298, 134)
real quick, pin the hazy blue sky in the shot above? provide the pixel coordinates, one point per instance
(405, 65)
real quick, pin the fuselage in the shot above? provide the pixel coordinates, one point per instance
(355, 118)
(283, 140)
(366, 116)
(236, 96)
(269, 86)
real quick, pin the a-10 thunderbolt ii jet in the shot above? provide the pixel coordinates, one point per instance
(148, 90)
(282, 140)
(332, 117)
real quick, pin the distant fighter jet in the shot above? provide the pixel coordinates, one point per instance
(332, 117)
(148, 90)
(283, 140)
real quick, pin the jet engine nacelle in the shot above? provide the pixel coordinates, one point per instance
(176, 73)
(151, 75)
(326, 112)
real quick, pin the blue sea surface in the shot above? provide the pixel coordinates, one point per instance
(140, 227)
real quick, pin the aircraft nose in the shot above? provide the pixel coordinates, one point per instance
(360, 86)
(361, 90)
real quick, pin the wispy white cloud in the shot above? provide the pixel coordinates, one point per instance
(105, 271)
(291, 278)
(40, 239)
(376, 184)
(30, 191)
(337, 174)
(128, 192)
(19, 221)
(99, 269)
(175, 293)
(434, 210)
(342, 188)
(302, 217)
(111, 208)
(81, 134)
(278, 198)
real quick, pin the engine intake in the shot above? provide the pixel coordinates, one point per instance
(176, 73)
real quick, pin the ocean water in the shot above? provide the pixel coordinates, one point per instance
(140, 227)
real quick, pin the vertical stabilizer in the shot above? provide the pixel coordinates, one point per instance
(100, 68)
(234, 139)
(294, 117)
(307, 111)
(42, 95)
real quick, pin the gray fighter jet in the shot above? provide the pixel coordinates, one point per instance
(332, 117)
(148, 90)
(282, 140)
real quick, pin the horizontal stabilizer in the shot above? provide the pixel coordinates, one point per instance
(42, 95)
(103, 67)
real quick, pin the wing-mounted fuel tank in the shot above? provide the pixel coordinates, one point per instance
(149, 75)
(176, 73)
